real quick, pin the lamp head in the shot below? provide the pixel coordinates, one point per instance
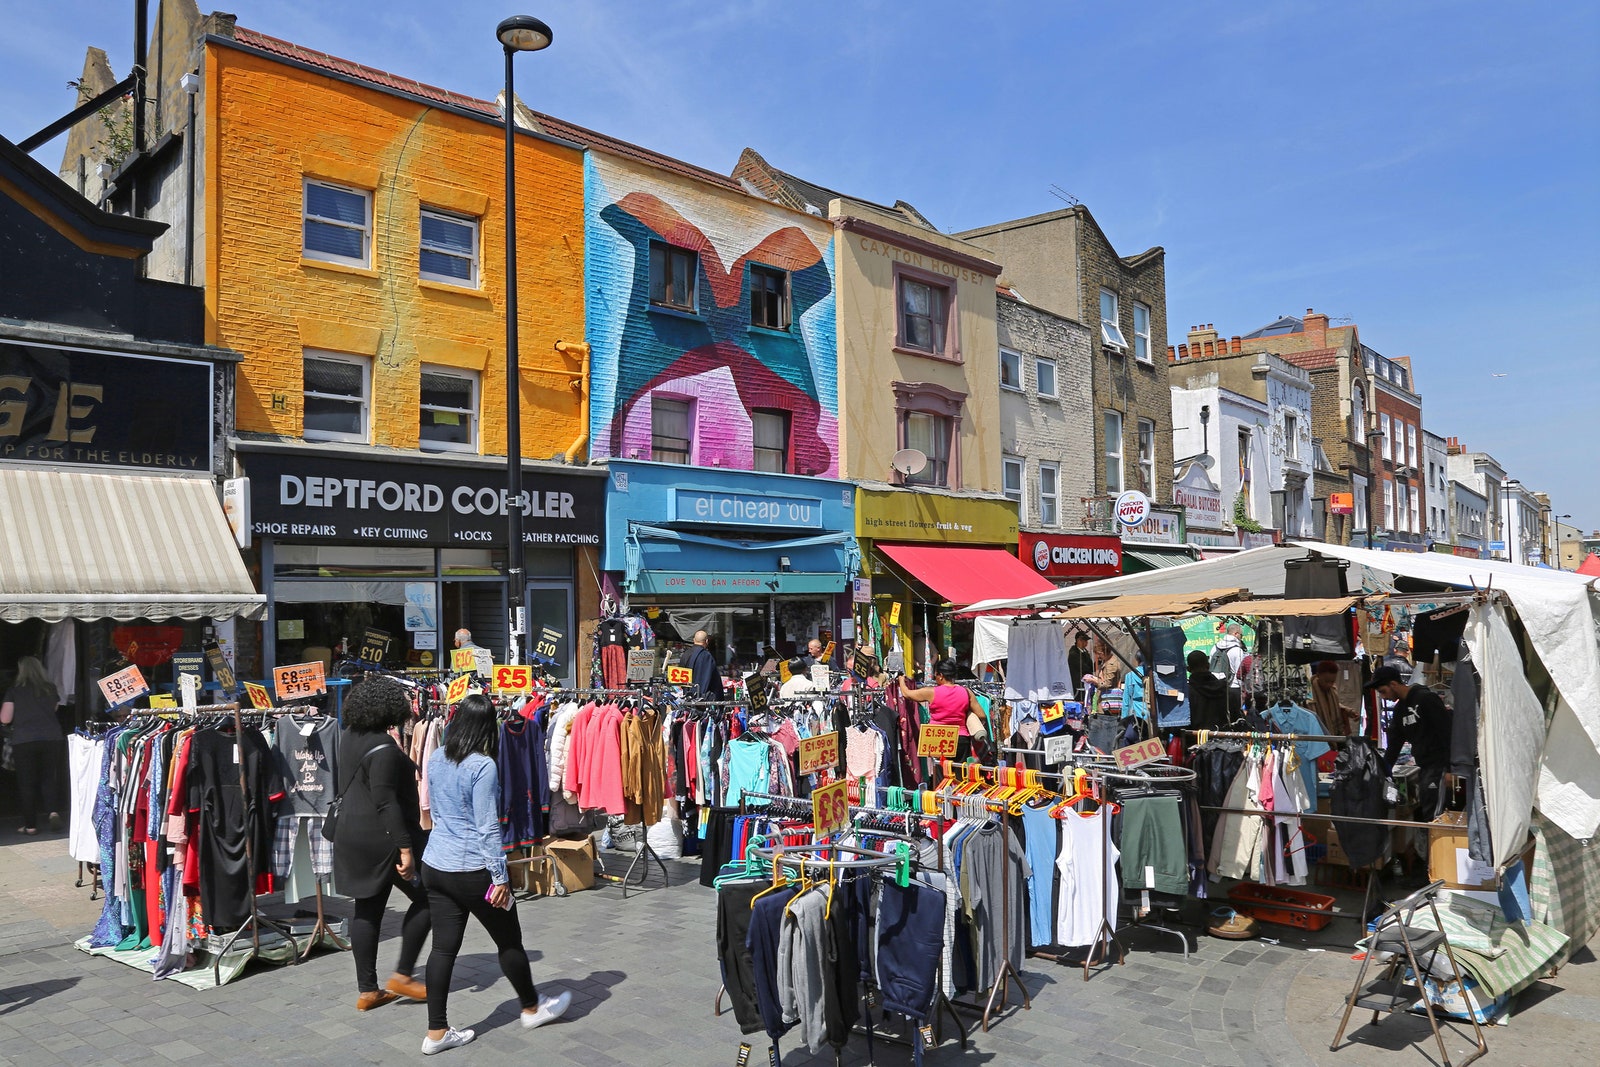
(523, 33)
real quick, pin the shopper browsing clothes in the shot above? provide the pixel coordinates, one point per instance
(1421, 718)
(950, 704)
(1325, 701)
(380, 839)
(1208, 694)
(30, 709)
(1134, 711)
(465, 872)
(707, 682)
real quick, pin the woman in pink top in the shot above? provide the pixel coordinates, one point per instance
(948, 704)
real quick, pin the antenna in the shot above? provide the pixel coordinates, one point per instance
(1062, 195)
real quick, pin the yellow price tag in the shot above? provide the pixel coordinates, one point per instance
(830, 809)
(464, 659)
(457, 689)
(513, 678)
(819, 753)
(937, 742)
(680, 676)
(163, 700)
(259, 697)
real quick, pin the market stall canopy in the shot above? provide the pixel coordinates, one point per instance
(962, 575)
(75, 545)
(1278, 609)
(1153, 605)
(1590, 565)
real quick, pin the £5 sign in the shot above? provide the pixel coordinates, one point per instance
(514, 678)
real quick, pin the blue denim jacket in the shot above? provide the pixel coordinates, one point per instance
(464, 801)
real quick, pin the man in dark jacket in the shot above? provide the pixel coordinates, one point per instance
(1421, 718)
(1080, 661)
(707, 676)
(1208, 694)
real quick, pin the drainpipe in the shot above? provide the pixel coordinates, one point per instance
(581, 350)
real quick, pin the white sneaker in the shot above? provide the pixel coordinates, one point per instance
(452, 1038)
(549, 1010)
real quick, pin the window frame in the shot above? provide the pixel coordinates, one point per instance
(1053, 498)
(689, 418)
(1142, 337)
(670, 250)
(306, 218)
(788, 439)
(1383, 430)
(1020, 465)
(364, 404)
(951, 350)
(476, 260)
(1411, 445)
(1017, 356)
(475, 383)
(937, 401)
(1055, 378)
(1108, 454)
(785, 315)
(1291, 435)
(1110, 329)
(1147, 460)
(1388, 503)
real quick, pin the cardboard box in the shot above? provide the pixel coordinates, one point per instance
(1449, 862)
(531, 874)
(574, 862)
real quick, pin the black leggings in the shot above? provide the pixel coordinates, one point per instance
(453, 895)
(368, 921)
(37, 775)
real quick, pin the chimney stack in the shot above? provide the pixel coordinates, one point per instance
(1316, 328)
(1199, 336)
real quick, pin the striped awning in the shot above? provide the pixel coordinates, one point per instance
(79, 545)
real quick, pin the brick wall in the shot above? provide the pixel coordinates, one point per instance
(1051, 430)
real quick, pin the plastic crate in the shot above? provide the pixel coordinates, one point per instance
(1265, 902)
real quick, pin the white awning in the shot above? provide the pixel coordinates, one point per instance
(79, 545)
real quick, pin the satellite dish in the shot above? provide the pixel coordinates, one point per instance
(909, 461)
(1206, 461)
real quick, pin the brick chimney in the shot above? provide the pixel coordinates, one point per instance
(1201, 335)
(1316, 328)
(1452, 446)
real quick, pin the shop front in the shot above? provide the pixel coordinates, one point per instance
(753, 559)
(927, 553)
(411, 549)
(1067, 559)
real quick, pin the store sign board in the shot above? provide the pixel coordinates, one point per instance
(907, 515)
(1132, 508)
(1158, 528)
(80, 407)
(745, 583)
(755, 510)
(1071, 555)
(312, 497)
(1199, 497)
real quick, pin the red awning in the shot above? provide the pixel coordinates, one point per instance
(1590, 564)
(967, 575)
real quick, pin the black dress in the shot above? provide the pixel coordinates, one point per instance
(380, 813)
(229, 817)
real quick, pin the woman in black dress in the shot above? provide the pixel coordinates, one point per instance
(380, 838)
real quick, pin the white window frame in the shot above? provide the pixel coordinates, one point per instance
(307, 252)
(1388, 504)
(1020, 466)
(1411, 443)
(1113, 450)
(473, 281)
(1141, 338)
(1051, 500)
(1110, 332)
(1055, 377)
(1147, 462)
(1383, 428)
(1006, 353)
(1291, 435)
(472, 379)
(365, 404)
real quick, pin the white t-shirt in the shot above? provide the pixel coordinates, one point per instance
(1087, 884)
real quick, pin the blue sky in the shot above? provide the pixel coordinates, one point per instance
(1425, 169)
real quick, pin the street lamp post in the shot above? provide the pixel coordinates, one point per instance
(519, 33)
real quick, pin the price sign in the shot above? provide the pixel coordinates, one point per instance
(221, 673)
(784, 674)
(641, 664)
(894, 613)
(830, 809)
(517, 678)
(819, 753)
(759, 691)
(1138, 755)
(1057, 749)
(545, 647)
(187, 663)
(127, 684)
(299, 680)
(1052, 712)
(163, 700)
(457, 689)
(864, 663)
(827, 653)
(937, 742)
(259, 697)
(374, 643)
(463, 659)
(680, 676)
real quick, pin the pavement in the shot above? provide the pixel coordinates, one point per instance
(643, 975)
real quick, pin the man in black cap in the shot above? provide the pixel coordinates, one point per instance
(1421, 718)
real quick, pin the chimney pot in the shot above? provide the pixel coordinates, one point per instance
(1183, 351)
(1236, 345)
(1211, 348)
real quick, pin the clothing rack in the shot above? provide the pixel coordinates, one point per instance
(1266, 736)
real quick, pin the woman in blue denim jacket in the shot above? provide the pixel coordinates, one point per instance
(464, 870)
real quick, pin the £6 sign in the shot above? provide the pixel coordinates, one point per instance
(830, 809)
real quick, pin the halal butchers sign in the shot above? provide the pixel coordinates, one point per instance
(311, 497)
(75, 406)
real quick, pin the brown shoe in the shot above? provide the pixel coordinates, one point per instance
(375, 999)
(409, 988)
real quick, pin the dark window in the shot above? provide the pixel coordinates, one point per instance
(770, 433)
(672, 276)
(924, 315)
(769, 298)
(671, 423)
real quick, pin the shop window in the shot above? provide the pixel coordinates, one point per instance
(1147, 456)
(336, 392)
(1044, 372)
(449, 410)
(924, 314)
(1110, 332)
(1010, 370)
(769, 431)
(671, 429)
(1049, 494)
(449, 250)
(930, 434)
(1141, 332)
(1113, 436)
(929, 418)
(673, 274)
(1011, 479)
(337, 224)
(769, 298)
(339, 561)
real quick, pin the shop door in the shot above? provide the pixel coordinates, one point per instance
(483, 611)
